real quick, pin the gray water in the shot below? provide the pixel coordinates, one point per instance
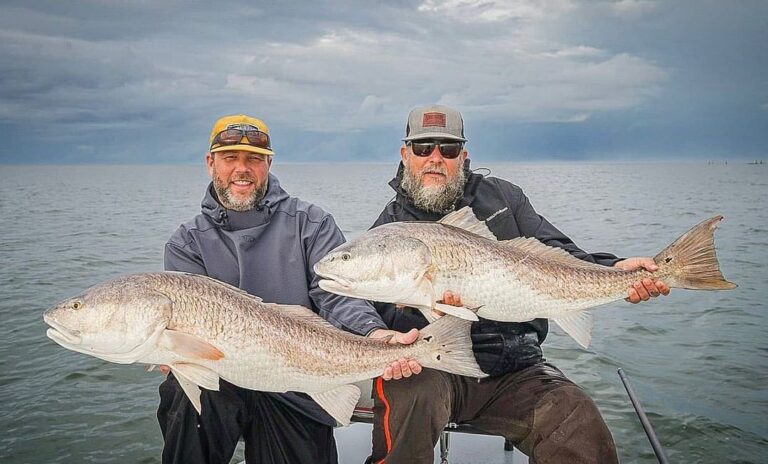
(698, 360)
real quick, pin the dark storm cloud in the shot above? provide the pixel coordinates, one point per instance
(92, 81)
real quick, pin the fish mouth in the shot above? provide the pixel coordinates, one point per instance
(328, 278)
(336, 284)
(61, 335)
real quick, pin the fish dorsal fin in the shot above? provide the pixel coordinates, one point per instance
(577, 325)
(465, 219)
(300, 313)
(339, 402)
(531, 246)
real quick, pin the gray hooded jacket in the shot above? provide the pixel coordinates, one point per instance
(269, 251)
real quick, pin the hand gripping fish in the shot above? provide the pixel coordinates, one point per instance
(518, 280)
(205, 330)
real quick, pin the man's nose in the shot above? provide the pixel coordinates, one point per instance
(242, 164)
(435, 156)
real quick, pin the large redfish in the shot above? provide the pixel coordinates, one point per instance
(518, 280)
(205, 329)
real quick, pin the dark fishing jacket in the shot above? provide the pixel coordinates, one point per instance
(269, 251)
(499, 347)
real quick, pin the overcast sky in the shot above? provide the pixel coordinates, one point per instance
(143, 81)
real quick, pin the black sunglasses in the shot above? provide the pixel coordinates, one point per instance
(255, 137)
(448, 150)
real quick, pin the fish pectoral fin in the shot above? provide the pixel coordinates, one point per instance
(578, 326)
(197, 374)
(189, 346)
(339, 402)
(457, 311)
(190, 389)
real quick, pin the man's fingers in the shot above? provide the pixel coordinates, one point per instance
(641, 291)
(415, 366)
(633, 297)
(164, 369)
(387, 375)
(451, 298)
(663, 287)
(650, 287)
(405, 369)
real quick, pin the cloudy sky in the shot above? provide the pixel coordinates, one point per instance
(143, 81)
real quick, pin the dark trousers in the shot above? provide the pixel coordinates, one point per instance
(544, 414)
(273, 432)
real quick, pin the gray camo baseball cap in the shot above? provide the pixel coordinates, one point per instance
(434, 122)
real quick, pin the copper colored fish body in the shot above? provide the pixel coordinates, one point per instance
(205, 330)
(413, 263)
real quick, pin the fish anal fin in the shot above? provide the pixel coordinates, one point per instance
(189, 346)
(457, 311)
(465, 218)
(197, 374)
(339, 402)
(190, 389)
(577, 325)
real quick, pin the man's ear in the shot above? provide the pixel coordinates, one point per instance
(209, 163)
(403, 152)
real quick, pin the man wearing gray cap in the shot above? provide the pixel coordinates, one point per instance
(525, 399)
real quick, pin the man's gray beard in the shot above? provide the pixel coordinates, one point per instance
(230, 202)
(434, 199)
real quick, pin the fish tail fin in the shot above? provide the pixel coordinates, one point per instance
(451, 347)
(692, 260)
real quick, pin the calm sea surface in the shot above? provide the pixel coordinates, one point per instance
(698, 360)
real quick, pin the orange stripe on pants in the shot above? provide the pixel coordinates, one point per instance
(387, 434)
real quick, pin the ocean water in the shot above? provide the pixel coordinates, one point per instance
(697, 360)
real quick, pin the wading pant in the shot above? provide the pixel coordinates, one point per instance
(544, 414)
(272, 431)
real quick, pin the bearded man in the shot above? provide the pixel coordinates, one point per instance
(526, 400)
(252, 234)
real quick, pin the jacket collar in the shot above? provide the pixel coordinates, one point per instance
(228, 219)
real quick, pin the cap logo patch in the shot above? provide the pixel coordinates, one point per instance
(433, 120)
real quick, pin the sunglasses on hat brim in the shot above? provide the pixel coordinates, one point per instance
(256, 138)
(448, 150)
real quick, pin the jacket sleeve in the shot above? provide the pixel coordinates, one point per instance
(531, 224)
(350, 314)
(181, 254)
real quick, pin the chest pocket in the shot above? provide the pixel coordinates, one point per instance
(503, 225)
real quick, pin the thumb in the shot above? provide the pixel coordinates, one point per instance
(407, 338)
(649, 264)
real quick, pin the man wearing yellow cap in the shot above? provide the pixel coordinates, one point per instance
(252, 234)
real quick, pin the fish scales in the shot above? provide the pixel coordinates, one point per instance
(238, 321)
(414, 263)
(205, 330)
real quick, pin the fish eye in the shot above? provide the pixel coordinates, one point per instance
(346, 256)
(77, 305)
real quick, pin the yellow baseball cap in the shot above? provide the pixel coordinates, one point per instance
(240, 132)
